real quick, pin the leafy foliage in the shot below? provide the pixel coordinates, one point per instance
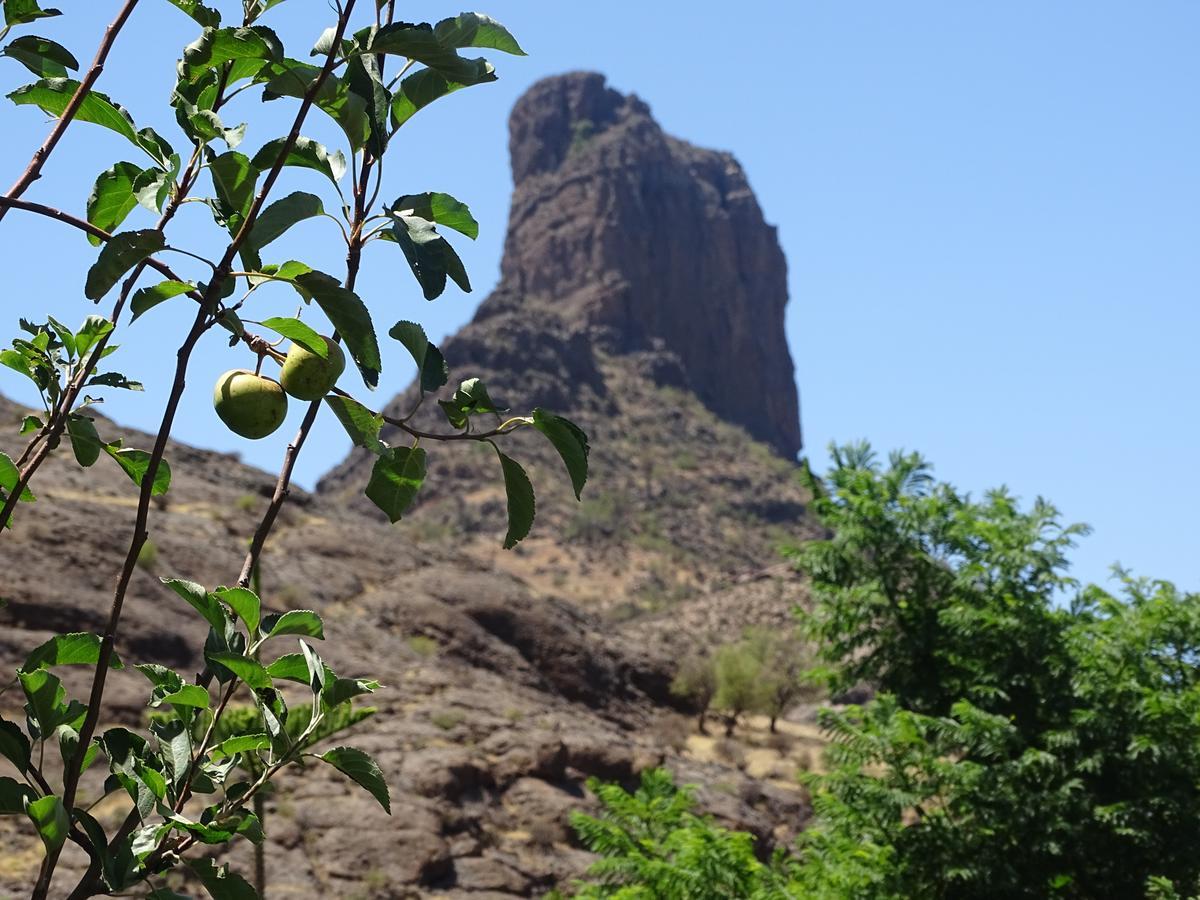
(1019, 748)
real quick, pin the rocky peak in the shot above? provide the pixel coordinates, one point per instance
(648, 243)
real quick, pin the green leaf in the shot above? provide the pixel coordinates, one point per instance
(14, 746)
(52, 95)
(276, 219)
(136, 464)
(221, 883)
(521, 505)
(431, 365)
(207, 17)
(420, 43)
(85, 442)
(440, 208)
(339, 690)
(570, 442)
(245, 603)
(43, 57)
(112, 198)
(360, 423)
(200, 600)
(291, 78)
(118, 256)
(243, 743)
(149, 297)
(153, 186)
(470, 399)
(306, 153)
(76, 649)
(303, 622)
(363, 770)
(14, 796)
(217, 46)
(477, 30)
(429, 255)
(116, 380)
(234, 180)
(396, 478)
(9, 476)
(45, 696)
(349, 316)
(366, 80)
(299, 333)
(316, 668)
(249, 670)
(31, 424)
(421, 88)
(223, 830)
(50, 818)
(188, 695)
(175, 747)
(22, 12)
(92, 329)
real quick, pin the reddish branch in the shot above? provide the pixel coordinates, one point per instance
(34, 170)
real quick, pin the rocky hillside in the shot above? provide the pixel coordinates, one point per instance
(642, 294)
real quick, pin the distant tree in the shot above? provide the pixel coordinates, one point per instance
(738, 669)
(653, 847)
(1019, 748)
(696, 682)
(786, 664)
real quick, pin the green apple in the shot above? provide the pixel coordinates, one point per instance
(250, 405)
(308, 377)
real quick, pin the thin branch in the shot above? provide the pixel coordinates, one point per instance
(34, 170)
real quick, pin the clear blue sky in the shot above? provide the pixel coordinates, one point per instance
(991, 214)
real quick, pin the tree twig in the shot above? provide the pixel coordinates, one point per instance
(34, 170)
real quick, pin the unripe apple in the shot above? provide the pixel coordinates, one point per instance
(308, 377)
(250, 405)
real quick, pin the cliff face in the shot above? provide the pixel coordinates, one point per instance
(648, 243)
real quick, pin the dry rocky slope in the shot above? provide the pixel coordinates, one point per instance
(642, 295)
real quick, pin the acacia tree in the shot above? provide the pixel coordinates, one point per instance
(183, 777)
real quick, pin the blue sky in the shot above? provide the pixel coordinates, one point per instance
(990, 214)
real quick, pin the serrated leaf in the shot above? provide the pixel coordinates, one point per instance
(291, 78)
(305, 153)
(52, 95)
(299, 333)
(476, 30)
(249, 670)
(363, 770)
(50, 818)
(440, 208)
(85, 442)
(429, 255)
(419, 42)
(22, 12)
(118, 256)
(243, 743)
(217, 46)
(10, 475)
(362, 425)
(395, 480)
(14, 796)
(303, 622)
(112, 198)
(245, 603)
(41, 56)
(136, 463)
(470, 399)
(200, 600)
(234, 180)
(521, 505)
(421, 88)
(189, 695)
(149, 297)
(432, 370)
(365, 79)
(349, 316)
(14, 745)
(571, 443)
(276, 219)
(92, 329)
(76, 649)
(206, 16)
(220, 882)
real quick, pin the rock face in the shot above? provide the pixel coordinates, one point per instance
(652, 242)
